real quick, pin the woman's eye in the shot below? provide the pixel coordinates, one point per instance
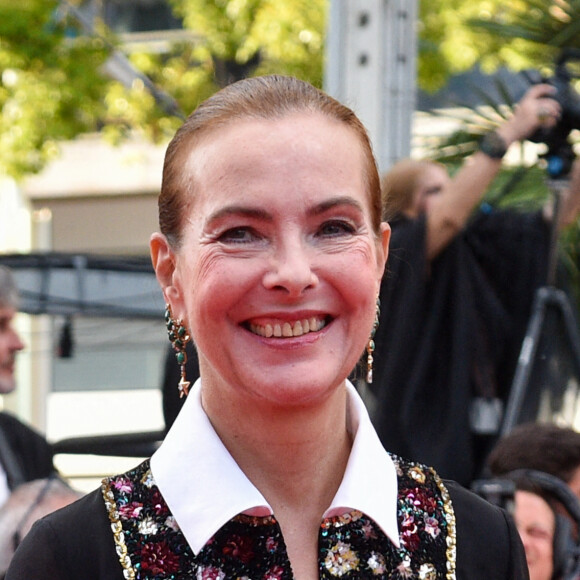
(238, 235)
(336, 228)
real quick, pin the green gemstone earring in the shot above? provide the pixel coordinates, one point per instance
(179, 337)
(371, 343)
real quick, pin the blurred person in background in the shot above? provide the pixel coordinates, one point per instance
(535, 520)
(545, 447)
(456, 298)
(25, 455)
(542, 461)
(29, 502)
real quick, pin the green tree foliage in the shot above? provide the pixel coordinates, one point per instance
(455, 35)
(50, 86)
(238, 38)
(231, 39)
(447, 43)
(258, 36)
(55, 84)
(530, 33)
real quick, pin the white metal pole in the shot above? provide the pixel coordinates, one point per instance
(371, 67)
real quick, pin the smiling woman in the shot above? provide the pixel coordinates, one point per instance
(258, 259)
(270, 256)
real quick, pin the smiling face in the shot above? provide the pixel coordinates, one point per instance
(278, 270)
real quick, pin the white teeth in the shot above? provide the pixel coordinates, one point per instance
(288, 329)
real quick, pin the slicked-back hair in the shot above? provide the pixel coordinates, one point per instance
(262, 98)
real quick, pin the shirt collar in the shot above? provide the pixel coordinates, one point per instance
(204, 487)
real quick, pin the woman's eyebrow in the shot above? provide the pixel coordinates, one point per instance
(240, 210)
(262, 214)
(335, 202)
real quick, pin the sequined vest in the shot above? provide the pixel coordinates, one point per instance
(150, 545)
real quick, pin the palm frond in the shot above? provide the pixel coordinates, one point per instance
(546, 27)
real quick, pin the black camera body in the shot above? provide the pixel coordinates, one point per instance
(560, 154)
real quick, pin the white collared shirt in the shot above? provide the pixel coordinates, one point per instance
(205, 488)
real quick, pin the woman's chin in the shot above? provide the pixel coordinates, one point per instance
(297, 391)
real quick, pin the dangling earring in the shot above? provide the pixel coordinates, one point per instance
(179, 337)
(371, 343)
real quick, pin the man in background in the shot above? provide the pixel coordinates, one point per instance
(543, 459)
(24, 454)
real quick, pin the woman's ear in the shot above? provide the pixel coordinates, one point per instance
(163, 259)
(383, 248)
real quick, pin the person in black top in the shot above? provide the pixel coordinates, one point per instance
(456, 298)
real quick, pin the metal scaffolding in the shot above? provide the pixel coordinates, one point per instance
(371, 66)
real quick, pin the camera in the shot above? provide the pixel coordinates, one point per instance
(560, 154)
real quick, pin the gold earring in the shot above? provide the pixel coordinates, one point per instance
(371, 343)
(179, 338)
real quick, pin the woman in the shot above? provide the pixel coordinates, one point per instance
(457, 298)
(270, 203)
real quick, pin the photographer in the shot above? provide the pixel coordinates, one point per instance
(456, 298)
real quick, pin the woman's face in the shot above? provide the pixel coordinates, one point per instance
(431, 182)
(536, 524)
(279, 270)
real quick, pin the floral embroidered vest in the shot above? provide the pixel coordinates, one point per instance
(151, 546)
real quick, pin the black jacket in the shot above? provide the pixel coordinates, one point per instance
(76, 543)
(25, 454)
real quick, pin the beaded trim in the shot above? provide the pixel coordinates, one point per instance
(420, 486)
(451, 528)
(350, 543)
(117, 529)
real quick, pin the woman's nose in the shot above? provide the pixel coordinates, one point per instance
(291, 270)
